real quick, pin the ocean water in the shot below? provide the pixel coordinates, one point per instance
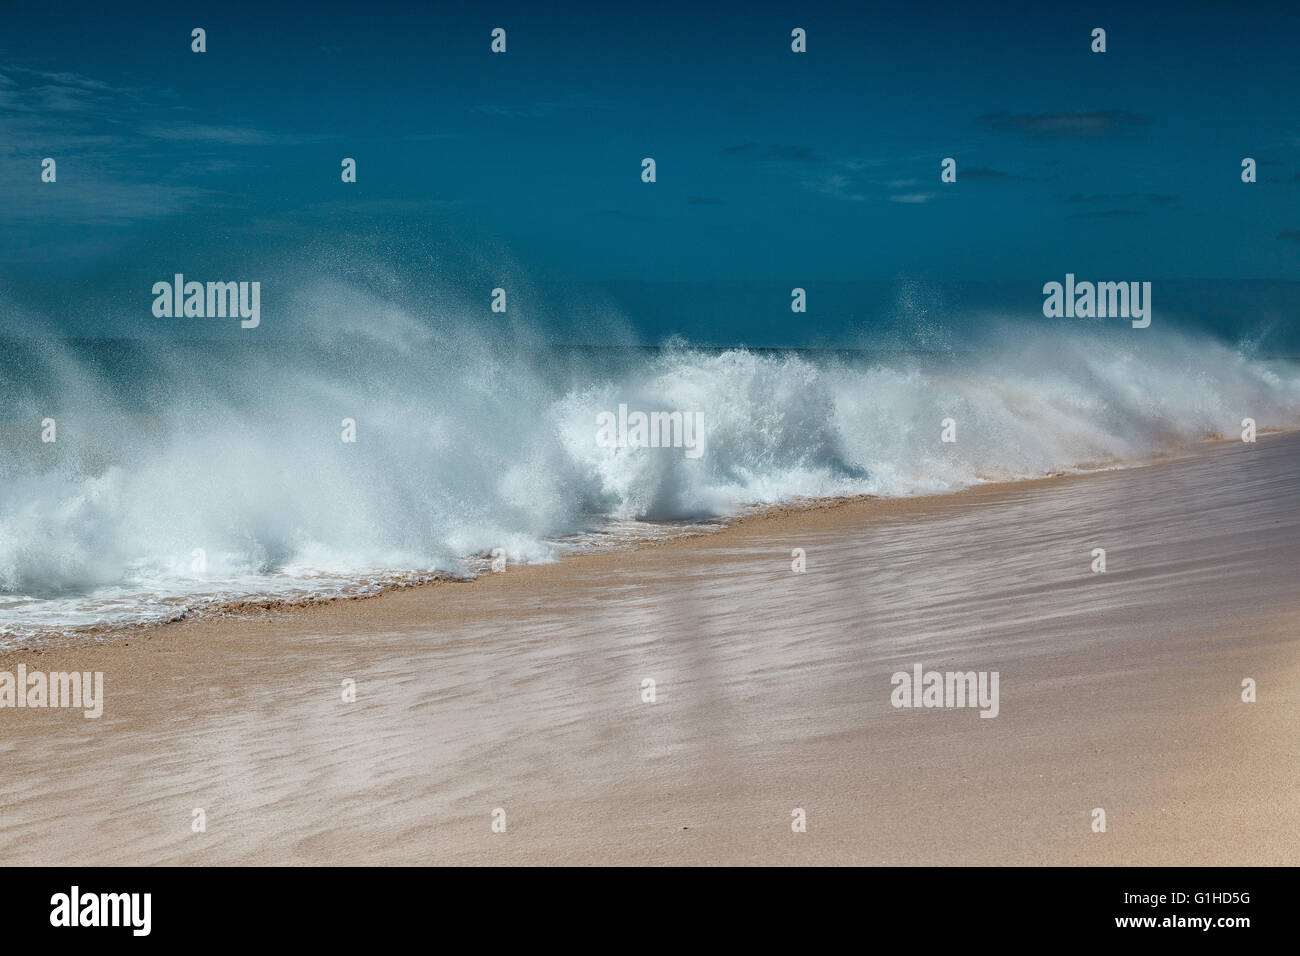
(188, 477)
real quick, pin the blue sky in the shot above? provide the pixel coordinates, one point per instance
(772, 165)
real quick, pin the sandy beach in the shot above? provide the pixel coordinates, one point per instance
(524, 691)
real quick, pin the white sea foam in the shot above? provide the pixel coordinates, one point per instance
(468, 442)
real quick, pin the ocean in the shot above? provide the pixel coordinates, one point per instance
(146, 480)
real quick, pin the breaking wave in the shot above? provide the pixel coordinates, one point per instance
(193, 475)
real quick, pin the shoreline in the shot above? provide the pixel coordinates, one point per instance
(525, 692)
(857, 506)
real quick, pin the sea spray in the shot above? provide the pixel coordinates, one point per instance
(466, 445)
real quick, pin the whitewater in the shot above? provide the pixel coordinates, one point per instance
(188, 478)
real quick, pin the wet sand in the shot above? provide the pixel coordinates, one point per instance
(523, 691)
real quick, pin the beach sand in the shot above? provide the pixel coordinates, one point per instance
(523, 691)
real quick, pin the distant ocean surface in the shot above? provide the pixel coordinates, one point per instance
(187, 477)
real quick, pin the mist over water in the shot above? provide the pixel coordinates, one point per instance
(474, 434)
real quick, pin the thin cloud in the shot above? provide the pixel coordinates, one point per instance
(1109, 214)
(787, 154)
(106, 140)
(1082, 124)
(69, 79)
(838, 186)
(228, 135)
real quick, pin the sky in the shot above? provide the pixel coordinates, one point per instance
(772, 166)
